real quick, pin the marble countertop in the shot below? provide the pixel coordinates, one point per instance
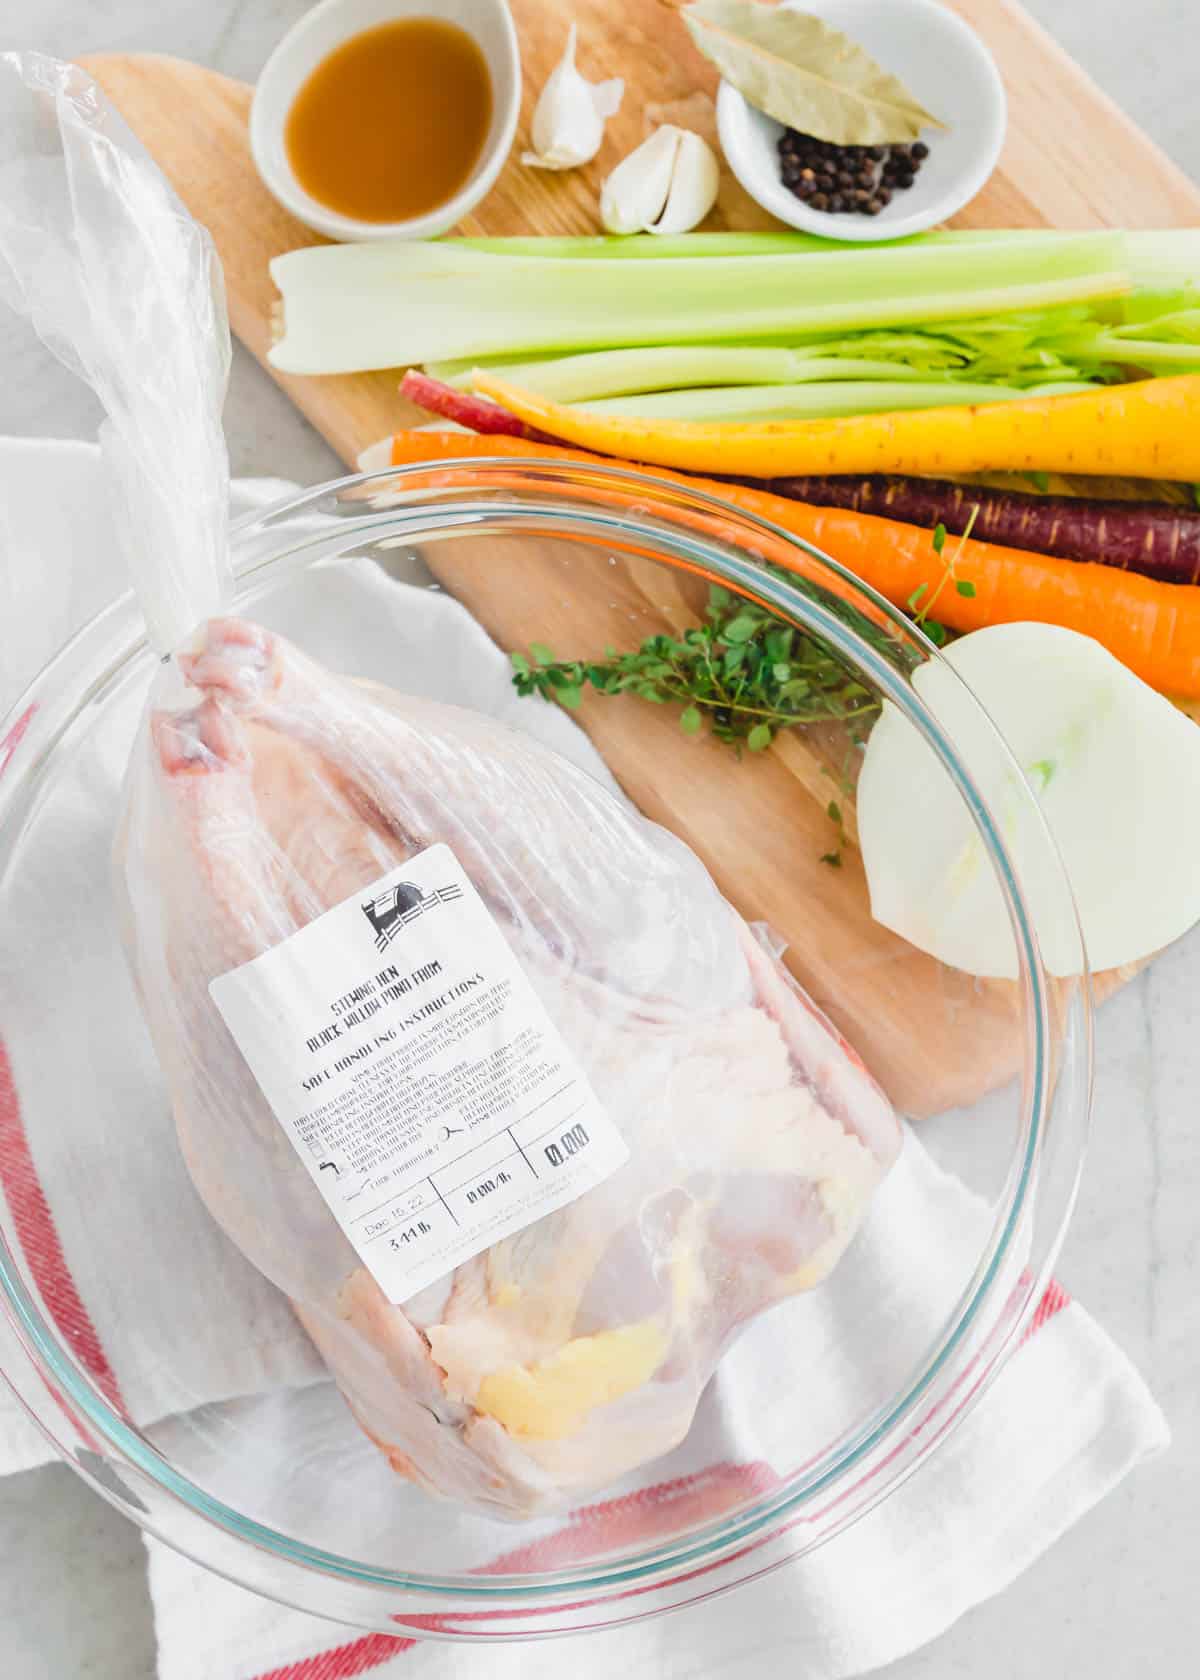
(1116, 1594)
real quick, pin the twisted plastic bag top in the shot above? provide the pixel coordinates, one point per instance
(125, 288)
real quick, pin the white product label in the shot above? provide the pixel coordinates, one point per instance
(412, 1064)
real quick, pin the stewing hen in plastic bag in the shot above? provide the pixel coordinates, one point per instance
(744, 1139)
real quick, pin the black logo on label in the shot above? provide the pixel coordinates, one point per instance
(394, 909)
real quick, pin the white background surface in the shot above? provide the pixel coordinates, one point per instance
(1118, 1597)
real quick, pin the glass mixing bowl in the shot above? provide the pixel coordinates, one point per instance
(952, 1260)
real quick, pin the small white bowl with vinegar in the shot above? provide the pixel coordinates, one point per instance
(388, 119)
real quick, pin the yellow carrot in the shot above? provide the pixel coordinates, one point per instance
(1149, 429)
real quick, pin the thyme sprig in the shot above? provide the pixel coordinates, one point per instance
(742, 671)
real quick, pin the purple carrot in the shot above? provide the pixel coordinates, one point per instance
(1154, 538)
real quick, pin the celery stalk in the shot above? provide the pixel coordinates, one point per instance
(653, 245)
(347, 308)
(617, 373)
(457, 370)
(1031, 350)
(745, 403)
(1179, 356)
(1163, 257)
(1163, 260)
(1164, 251)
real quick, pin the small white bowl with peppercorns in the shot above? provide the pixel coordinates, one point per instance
(879, 192)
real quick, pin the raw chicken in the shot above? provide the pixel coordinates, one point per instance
(577, 1350)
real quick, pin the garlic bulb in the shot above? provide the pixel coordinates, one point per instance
(569, 118)
(667, 185)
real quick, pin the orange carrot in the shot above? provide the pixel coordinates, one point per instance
(1152, 627)
(1143, 430)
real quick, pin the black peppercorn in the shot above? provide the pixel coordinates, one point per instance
(846, 179)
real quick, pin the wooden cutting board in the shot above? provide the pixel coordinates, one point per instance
(1072, 160)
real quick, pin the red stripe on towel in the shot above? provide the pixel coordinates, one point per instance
(40, 1243)
(586, 1531)
(343, 1661)
(12, 740)
(1051, 1303)
(586, 1527)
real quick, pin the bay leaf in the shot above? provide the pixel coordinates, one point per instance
(804, 73)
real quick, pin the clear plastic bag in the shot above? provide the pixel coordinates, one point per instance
(516, 970)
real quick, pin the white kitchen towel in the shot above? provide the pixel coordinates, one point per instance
(1065, 1420)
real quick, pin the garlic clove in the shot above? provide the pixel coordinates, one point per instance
(695, 180)
(635, 194)
(569, 118)
(667, 185)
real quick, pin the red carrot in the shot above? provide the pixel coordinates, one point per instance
(477, 414)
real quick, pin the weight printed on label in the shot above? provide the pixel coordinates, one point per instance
(404, 1051)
